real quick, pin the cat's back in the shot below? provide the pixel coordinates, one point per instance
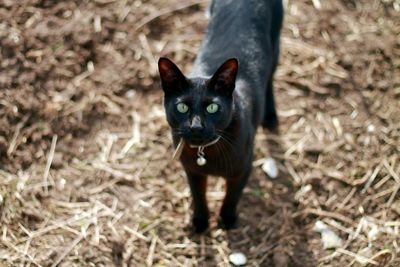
(242, 29)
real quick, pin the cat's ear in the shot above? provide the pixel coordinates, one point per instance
(224, 78)
(172, 79)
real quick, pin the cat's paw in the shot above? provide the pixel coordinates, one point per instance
(228, 221)
(200, 224)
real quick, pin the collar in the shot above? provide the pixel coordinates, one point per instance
(208, 144)
(200, 150)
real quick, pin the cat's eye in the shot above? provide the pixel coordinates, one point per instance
(212, 108)
(182, 107)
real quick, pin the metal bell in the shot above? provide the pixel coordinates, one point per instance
(201, 161)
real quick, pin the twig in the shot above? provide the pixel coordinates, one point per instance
(395, 190)
(392, 172)
(26, 256)
(148, 54)
(293, 173)
(67, 251)
(347, 198)
(356, 256)
(150, 256)
(166, 11)
(324, 213)
(13, 142)
(135, 139)
(48, 164)
(371, 178)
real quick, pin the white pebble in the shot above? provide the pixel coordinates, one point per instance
(237, 259)
(61, 184)
(270, 168)
(329, 238)
(130, 93)
(371, 128)
(373, 233)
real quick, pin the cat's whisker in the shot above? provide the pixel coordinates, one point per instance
(217, 146)
(224, 159)
(230, 146)
(224, 132)
(225, 149)
(229, 141)
(226, 135)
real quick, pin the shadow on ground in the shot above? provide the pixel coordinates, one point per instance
(266, 233)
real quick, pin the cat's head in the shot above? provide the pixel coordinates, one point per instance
(198, 109)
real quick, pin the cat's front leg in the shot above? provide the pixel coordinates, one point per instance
(234, 188)
(198, 187)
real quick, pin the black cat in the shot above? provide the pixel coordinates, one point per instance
(216, 112)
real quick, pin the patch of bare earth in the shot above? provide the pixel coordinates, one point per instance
(86, 170)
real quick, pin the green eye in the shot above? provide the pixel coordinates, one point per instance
(182, 107)
(212, 108)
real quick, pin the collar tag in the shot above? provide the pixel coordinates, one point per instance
(201, 160)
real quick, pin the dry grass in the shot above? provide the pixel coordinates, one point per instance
(86, 170)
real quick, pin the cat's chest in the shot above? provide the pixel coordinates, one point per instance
(220, 159)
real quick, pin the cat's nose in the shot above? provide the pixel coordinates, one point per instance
(195, 125)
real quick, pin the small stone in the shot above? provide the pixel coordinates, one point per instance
(130, 94)
(329, 238)
(373, 233)
(61, 184)
(237, 259)
(270, 168)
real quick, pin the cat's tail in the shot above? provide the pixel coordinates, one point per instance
(270, 120)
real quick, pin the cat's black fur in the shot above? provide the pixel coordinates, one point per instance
(244, 31)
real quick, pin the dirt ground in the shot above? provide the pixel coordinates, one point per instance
(86, 170)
